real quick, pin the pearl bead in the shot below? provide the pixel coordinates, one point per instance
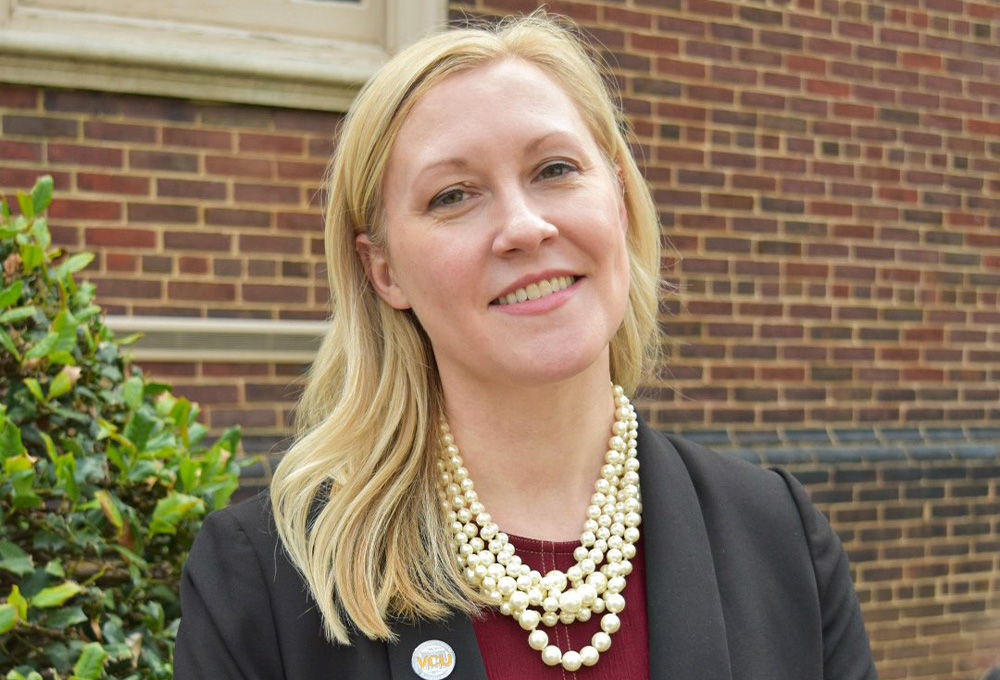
(571, 661)
(610, 623)
(570, 601)
(551, 655)
(518, 601)
(601, 641)
(615, 603)
(607, 544)
(538, 640)
(529, 619)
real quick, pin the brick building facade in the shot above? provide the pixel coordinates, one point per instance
(828, 178)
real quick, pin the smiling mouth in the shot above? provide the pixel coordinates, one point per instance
(537, 290)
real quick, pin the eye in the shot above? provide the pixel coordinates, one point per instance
(557, 169)
(449, 197)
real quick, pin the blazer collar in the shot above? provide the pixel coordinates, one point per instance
(456, 631)
(687, 631)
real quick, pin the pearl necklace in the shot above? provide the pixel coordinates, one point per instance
(592, 586)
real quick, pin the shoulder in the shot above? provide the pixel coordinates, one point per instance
(724, 482)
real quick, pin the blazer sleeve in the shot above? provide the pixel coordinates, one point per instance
(227, 628)
(846, 651)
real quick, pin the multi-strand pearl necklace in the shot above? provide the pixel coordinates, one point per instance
(593, 585)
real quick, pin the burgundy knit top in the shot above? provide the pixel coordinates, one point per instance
(504, 645)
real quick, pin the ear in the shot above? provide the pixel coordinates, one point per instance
(378, 271)
(622, 206)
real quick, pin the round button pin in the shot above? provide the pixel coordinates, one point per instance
(433, 659)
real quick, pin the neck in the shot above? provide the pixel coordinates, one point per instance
(534, 451)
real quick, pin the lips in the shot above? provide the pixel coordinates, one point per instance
(537, 290)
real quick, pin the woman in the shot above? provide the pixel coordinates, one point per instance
(494, 257)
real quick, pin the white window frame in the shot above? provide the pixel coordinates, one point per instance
(289, 53)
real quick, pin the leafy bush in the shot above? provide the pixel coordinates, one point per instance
(103, 484)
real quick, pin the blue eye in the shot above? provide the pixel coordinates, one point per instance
(558, 169)
(449, 197)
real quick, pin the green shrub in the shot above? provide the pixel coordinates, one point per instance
(104, 480)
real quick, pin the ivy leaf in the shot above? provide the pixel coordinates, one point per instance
(8, 618)
(10, 440)
(43, 347)
(16, 600)
(139, 427)
(8, 344)
(74, 264)
(132, 391)
(35, 389)
(31, 258)
(55, 596)
(11, 294)
(110, 510)
(91, 663)
(27, 206)
(65, 325)
(17, 314)
(61, 619)
(41, 194)
(40, 230)
(15, 560)
(60, 385)
(170, 511)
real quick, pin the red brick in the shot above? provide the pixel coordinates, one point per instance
(40, 126)
(22, 179)
(119, 132)
(275, 293)
(271, 244)
(163, 160)
(20, 151)
(266, 193)
(192, 265)
(197, 190)
(270, 143)
(204, 139)
(18, 97)
(196, 240)
(120, 237)
(162, 213)
(129, 288)
(121, 262)
(203, 291)
(656, 44)
(303, 222)
(239, 167)
(78, 209)
(112, 184)
(230, 217)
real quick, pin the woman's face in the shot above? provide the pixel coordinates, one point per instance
(505, 229)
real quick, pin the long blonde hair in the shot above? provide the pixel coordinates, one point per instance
(355, 499)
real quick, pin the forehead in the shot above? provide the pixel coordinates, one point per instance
(486, 105)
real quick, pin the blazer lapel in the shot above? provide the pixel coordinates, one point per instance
(687, 631)
(456, 631)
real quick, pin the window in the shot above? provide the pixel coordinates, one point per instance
(296, 53)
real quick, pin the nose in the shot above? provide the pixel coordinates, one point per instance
(521, 226)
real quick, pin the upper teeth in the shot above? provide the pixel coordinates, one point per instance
(533, 291)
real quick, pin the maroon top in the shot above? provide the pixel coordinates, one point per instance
(504, 645)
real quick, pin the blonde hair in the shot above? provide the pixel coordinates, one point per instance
(355, 500)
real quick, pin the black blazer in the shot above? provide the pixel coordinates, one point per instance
(745, 581)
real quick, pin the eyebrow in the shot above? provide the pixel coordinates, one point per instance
(459, 163)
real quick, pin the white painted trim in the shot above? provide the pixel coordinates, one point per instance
(61, 49)
(184, 340)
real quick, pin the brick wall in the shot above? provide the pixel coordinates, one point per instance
(828, 174)
(194, 210)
